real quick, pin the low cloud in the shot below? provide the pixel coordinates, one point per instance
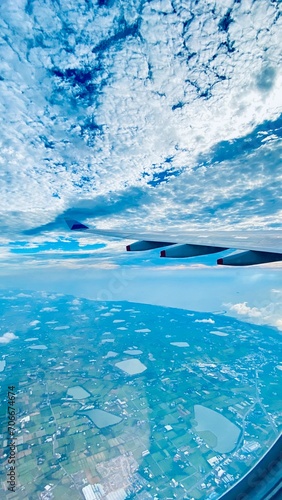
(7, 338)
(242, 309)
(205, 320)
(268, 313)
(34, 323)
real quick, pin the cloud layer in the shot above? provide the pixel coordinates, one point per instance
(167, 110)
(154, 114)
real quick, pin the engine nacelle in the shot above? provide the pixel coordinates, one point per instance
(182, 251)
(249, 258)
(139, 246)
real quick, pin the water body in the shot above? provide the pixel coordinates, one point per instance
(220, 334)
(40, 347)
(224, 430)
(111, 354)
(78, 392)
(180, 344)
(131, 366)
(132, 352)
(101, 418)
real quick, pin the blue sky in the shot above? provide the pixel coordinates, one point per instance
(139, 114)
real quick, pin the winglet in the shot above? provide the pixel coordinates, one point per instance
(74, 225)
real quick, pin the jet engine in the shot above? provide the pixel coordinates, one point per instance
(139, 246)
(249, 258)
(182, 251)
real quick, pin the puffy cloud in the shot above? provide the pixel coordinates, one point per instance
(242, 309)
(34, 323)
(76, 302)
(268, 312)
(7, 337)
(278, 323)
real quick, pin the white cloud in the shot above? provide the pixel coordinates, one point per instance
(7, 337)
(48, 309)
(179, 267)
(243, 309)
(4, 253)
(205, 320)
(76, 302)
(268, 313)
(34, 323)
(88, 264)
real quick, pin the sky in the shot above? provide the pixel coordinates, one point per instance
(140, 114)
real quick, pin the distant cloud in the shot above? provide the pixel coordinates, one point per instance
(179, 267)
(242, 309)
(76, 302)
(268, 313)
(48, 309)
(7, 338)
(209, 320)
(34, 323)
(278, 324)
(87, 264)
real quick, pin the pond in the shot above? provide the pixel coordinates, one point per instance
(180, 344)
(101, 418)
(39, 347)
(78, 392)
(131, 366)
(225, 432)
(132, 352)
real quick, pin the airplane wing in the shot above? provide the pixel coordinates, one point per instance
(258, 247)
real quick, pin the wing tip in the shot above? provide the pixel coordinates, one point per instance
(75, 225)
